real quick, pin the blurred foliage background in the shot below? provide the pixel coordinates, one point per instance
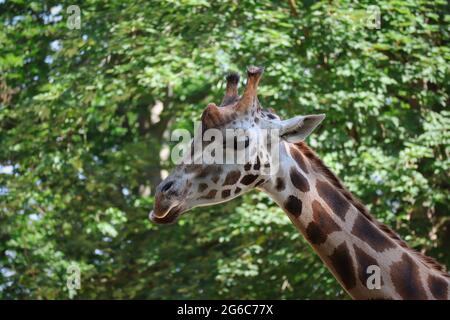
(85, 117)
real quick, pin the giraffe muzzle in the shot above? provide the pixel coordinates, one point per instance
(165, 211)
(167, 217)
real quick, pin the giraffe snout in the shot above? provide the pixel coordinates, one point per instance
(167, 206)
(164, 211)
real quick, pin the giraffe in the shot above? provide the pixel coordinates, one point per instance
(334, 222)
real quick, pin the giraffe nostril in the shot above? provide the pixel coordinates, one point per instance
(167, 186)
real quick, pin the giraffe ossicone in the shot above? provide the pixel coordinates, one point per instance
(339, 228)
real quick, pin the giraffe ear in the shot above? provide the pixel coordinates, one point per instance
(298, 128)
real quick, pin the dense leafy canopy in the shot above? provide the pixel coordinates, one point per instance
(85, 116)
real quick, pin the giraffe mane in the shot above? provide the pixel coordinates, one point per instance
(334, 180)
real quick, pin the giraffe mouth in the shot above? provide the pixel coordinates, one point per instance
(169, 217)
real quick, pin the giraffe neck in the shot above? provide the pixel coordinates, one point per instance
(367, 258)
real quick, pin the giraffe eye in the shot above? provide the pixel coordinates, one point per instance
(167, 186)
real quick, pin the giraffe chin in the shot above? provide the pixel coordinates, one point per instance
(168, 218)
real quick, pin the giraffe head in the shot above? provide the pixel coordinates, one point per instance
(238, 127)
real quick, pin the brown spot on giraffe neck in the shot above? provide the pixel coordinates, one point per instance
(333, 198)
(249, 179)
(232, 177)
(210, 195)
(280, 185)
(363, 261)
(294, 206)
(260, 182)
(369, 233)
(438, 287)
(298, 180)
(297, 155)
(321, 226)
(202, 187)
(342, 264)
(406, 279)
(226, 193)
(209, 170)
